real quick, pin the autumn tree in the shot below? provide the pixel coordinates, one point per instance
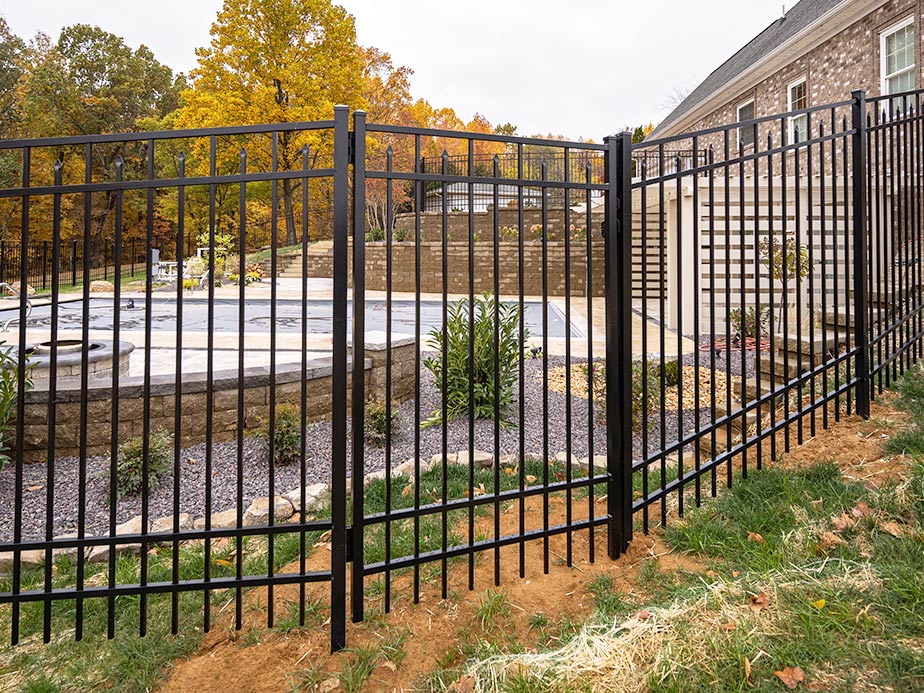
(91, 82)
(276, 61)
(12, 63)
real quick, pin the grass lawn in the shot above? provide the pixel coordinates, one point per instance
(266, 254)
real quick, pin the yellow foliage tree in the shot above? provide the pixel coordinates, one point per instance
(276, 61)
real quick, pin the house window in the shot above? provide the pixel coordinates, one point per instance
(746, 135)
(897, 59)
(798, 99)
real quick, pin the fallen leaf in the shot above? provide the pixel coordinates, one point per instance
(817, 504)
(329, 685)
(893, 528)
(222, 561)
(34, 488)
(861, 509)
(510, 471)
(390, 665)
(530, 478)
(755, 537)
(735, 573)
(407, 490)
(842, 522)
(747, 671)
(829, 540)
(791, 677)
(759, 602)
(642, 615)
(819, 604)
(729, 627)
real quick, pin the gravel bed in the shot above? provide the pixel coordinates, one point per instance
(725, 361)
(256, 470)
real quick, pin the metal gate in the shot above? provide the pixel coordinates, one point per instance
(524, 240)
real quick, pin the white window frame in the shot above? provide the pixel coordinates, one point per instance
(744, 104)
(884, 34)
(792, 119)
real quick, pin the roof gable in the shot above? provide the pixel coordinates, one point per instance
(798, 18)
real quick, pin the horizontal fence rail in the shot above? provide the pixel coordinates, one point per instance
(417, 347)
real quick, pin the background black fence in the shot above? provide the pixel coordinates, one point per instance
(488, 384)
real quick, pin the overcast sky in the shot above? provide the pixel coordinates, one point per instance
(582, 68)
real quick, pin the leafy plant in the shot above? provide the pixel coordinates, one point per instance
(374, 235)
(400, 235)
(755, 323)
(9, 390)
(461, 374)
(786, 260)
(287, 434)
(377, 422)
(643, 398)
(224, 243)
(670, 371)
(130, 462)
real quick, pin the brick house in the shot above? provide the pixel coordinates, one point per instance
(817, 53)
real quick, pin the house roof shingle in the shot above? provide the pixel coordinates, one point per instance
(802, 15)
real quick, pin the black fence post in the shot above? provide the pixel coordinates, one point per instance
(44, 264)
(341, 222)
(74, 262)
(860, 253)
(359, 340)
(618, 279)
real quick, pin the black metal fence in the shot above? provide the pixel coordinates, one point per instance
(498, 392)
(68, 271)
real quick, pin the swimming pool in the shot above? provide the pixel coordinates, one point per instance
(257, 316)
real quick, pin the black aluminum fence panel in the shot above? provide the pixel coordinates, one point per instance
(134, 410)
(792, 277)
(472, 448)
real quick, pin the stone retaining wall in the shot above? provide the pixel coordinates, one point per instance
(431, 264)
(647, 257)
(195, 419)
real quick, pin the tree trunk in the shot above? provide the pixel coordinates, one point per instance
(288, 193)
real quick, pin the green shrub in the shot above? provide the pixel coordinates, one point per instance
(671, 372)
(480, 373)
(377, 422)
(755, 323)
(130, 462)
(9, 390)
(643, 399)
(400, 235)
(287, 434)
(374, 235)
